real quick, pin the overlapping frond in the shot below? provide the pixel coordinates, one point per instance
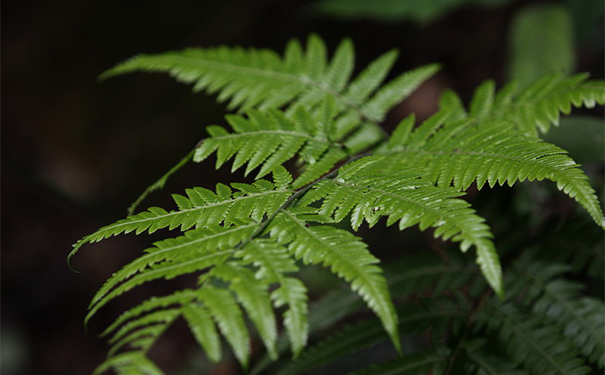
(539, 105)
(194, 251)
(273, 262)
(260, 78)
(462, 152)
(346, 255)
(201, 207)
(244, 240)
(406, 199)
(269, 139)
(581, 318)
(414, 317)
(129, 363)
(527, 341)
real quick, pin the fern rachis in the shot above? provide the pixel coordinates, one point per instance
(244, 239)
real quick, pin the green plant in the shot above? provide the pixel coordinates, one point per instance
(246, 241)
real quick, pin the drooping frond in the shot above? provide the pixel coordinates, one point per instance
(190, 246)
(254, 297)
(462, 152)
(129, 363)
(152, 304)
(345, 255)
(228, 316)
(413, 318)
(273, 262)
(243, 241)
(527, 341)
(581, 318)
(203, 328)
(200, 208)
(259, 78)
(408, 200)
(538, 106)
(192, 252)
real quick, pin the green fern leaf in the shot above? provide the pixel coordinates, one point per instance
(258, 78)
(397, 90)
(204, 330)
(253, 296)
(200, 208)
(141, 339)
(273, 262)
(176, 298)
(192, 244)
(538, 106)
(461, 153)
(269, 139)
(134, 361)
(580, 318)
(156, 317)
(527, 341)
(228, 316)
(413, 318)
(351, 261)
(406, 199)
(164, 270)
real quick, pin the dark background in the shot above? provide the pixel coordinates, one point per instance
(76, 152)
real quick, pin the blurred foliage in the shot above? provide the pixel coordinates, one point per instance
(396, 10)
(541, 42)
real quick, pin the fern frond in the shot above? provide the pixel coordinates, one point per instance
(200, 208)
(154, 303)
(414, 317)
(228, 316)
(269, 139)
(253, 296)
(538, 106)
(203, 328)
(526, 340)
(581, 318)
(461, 153)
(259, 78)
(273, 262)
(192, 244)
(156, 317)
(408, 200)
(141, 339)
(345, 255)
(127, 362)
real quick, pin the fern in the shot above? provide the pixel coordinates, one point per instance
(580, 318)
(245, 242)
(461, 152)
